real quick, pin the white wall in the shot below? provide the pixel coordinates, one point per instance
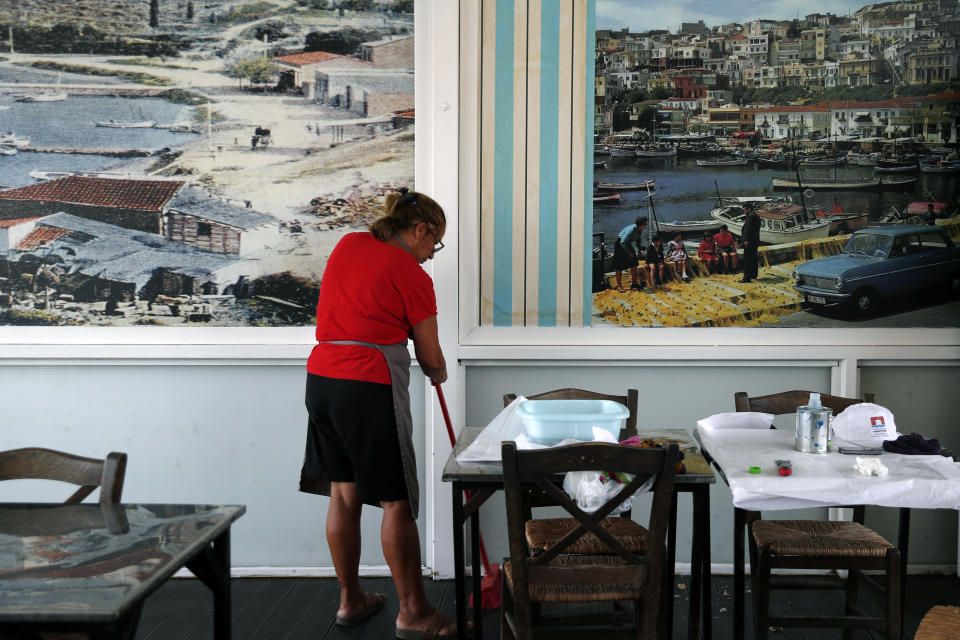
(193, 434)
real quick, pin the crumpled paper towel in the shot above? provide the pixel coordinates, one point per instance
(870, 466)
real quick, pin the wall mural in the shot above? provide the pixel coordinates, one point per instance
(799, 170)
(184, 163)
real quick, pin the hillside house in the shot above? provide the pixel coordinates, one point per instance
(14, 231)
(197, 218)
(299, 69)
(138, 205)
(392, 52)
(372, 93)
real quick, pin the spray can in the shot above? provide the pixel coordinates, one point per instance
(813, 427)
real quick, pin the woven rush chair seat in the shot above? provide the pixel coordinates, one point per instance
(581, 591)
(819, 538)
(544, 533)
(940, 623)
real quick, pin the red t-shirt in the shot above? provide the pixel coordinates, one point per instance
(372, 292)
(723, 239)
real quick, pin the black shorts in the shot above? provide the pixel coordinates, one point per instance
(352, 437)
(621, 257)
(727, 249)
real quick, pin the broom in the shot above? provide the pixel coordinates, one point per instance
(490, 583)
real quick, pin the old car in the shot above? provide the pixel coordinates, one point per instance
(880, 263)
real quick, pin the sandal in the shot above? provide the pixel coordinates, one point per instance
(373, 604)
(438, 622)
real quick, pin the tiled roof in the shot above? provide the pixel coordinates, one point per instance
(41, 236)
(798, 109)
(151, 195)
(6, 224)
(310, 57)
(409, 113)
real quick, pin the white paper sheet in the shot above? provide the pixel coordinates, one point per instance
(824, 480)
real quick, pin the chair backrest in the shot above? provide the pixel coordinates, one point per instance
(630, 401)
(788, 401)
(89, 473)
(539, 469)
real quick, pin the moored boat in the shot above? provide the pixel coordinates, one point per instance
(656, 151)
(940, 167)
(117, 124)
(10, 139)
(8, 151)
(845, 184)
(625, 186)
(600, 165)
(779, 223)
(862, 159)
(610, 197)
(723, 162)
(688, 226)
(825, 161)
(42, 97)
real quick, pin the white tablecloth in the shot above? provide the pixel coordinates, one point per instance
(825, 480)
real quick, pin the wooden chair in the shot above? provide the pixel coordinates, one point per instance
(814, 544)
(630, 401)
(561, 572)
(89, 473)
(940, 623)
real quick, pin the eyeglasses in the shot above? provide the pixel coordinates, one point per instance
(437, 246)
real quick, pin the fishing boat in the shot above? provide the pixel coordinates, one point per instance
(600, 165)
(779, 161)
(940, 167)
(688, 226)
(656, 151)
(600, 150)
(610, 197)
(42, 176)
(623, 152)
(10, 139)
(625, 186)
(825, 161)
(862, 159)
(904, 168)
(723, 162)
(779, 223)
(841, 221)
(42, 97)
(116, 124)
(8, 151)
(845, 184)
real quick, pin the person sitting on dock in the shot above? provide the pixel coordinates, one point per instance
(654, 260)
(677, 255)
(626, 251)
(707, 252)
(727, 248)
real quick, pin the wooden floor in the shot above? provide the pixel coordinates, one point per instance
(304, 608)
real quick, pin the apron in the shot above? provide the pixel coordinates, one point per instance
(398, 363)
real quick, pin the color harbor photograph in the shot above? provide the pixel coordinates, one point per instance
(178, 163)
(780, 171)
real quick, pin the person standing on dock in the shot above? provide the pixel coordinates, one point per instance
(631, 241)
(750, 239)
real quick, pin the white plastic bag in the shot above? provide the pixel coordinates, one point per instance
(592, 489)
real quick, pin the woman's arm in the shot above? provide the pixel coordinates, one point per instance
(426, 345)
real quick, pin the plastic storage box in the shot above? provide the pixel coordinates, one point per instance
(550, 421)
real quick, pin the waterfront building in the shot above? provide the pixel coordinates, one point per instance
(791, 122)
(299, 69)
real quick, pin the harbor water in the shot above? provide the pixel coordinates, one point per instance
(71, 123)
(685, 191)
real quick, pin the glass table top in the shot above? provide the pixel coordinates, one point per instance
(90, 562)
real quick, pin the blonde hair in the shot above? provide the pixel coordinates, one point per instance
(406, 209)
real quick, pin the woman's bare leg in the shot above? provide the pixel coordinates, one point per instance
(343, 538)
(401, 548)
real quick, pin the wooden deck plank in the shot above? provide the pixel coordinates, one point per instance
(304, 608)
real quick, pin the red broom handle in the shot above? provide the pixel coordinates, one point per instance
(453, 442)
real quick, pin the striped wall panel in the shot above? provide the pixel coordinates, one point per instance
(535, 155)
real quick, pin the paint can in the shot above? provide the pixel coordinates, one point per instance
(813, 429)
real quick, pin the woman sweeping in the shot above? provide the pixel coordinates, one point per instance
(375, 295)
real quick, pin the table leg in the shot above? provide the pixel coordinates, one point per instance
(739, 524)
(903, 543)
(459, 576)
(212, 567)
(476, 564)
(701, 567)
(670, 570)
(696, 571)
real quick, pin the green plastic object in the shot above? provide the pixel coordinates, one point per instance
(755, 470)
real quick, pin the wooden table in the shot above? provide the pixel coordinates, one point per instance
(484, 479)
(89, 567)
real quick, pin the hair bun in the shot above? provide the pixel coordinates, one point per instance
(403, 191)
